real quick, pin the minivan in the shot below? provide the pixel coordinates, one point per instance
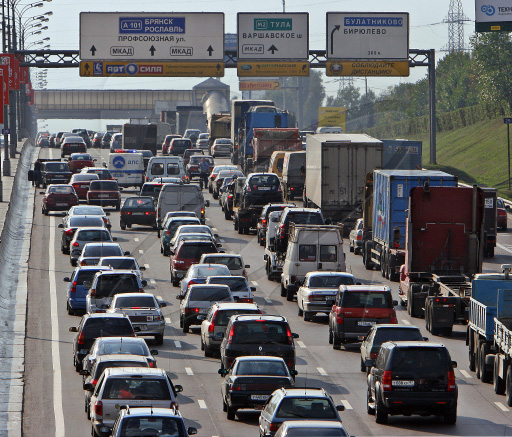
(294, 174)
(188, 197)
(165, 166)
(275, 164)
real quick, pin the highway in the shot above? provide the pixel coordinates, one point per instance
(54, 399)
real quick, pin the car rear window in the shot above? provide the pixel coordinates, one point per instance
(81, 157)
(101, 366)
(231, 262)
(84, 275)
(222, 317)
(108, 327)
(330, 281)
(139, 389)
(260, 367)
(151, 189)
(267, 180)
(364, 299)
(175, 224)
(195, 159)
(122, 347)
(173, 169)
(139, 301)
(205, 271)
(181, 143)
(104, 185)
(260, 332)
(101, 251)
(86, 177)
(77, 222)
(61, 189)
(56, 166)
(209, 294)
(93, 235)
(109, 285)
(164, 426)
(120, 263)
(139, 203)
(234, 283)
(304, 218)
(313, 430)
(194, 251)
(306, 408)
(396, 334)
(426, 361)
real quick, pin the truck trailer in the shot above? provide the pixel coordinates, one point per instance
(140, 137)
(268, 140)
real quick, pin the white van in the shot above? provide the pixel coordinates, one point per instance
(166, 166)
(329, 130)
(176, 197)
(127, 168)
(311, 248)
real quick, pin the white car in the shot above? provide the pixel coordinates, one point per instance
(234, 262)
(240, 288)
(123, 263)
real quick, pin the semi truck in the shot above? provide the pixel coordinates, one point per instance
(265, 141)
(384, 241)
(140, 137)
(444, 234)
(219, 126)
(401, 155)
(336, 168)
(238, 110)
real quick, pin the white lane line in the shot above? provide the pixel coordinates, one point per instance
(202, 404)
(152, 281)
(214, 228)
(504, 248)
(135, 239)
(147, 266)
(168, 321)
(465, 374)
(321, 371)
(189, 371)
(405, 322)
(268, 300)
(141, 251)
(346, 404)
(301, 344)
(501, 406)
(221, 240)
(254, 283)
(177, 343)
(207, 219)
(57, 374)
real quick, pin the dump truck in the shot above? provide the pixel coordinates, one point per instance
(268, 140)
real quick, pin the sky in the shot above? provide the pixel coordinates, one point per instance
(427, 31)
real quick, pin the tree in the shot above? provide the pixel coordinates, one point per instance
(360, 109)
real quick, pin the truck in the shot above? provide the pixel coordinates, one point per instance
(190, 117)
(444, 234)
(140, 137)
(238, 110)
(489, 332)
(490, 221)
(219, 126)
(384, 246)
(257, 117)
(401, 154)
(336, 168)
(268, 140)
(162, 130)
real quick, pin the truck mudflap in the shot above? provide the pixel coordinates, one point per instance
(441, 312)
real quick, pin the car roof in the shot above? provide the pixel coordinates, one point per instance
(251, 317)
(366, 288)
(189, 242)
(209, 286)
(222, 255)
(184, 217)
(328, 273)
(329, 424)
(260, 358)
(105, 315)
(91, 228)
(230, 276)
(305, 391)
(415, 344)
(121, 357)
(96, 268)
(298, 209)
(120, 295)
(393, 326)
(121, 339)
(136, 371)
(102, 245)
(119, 272)
(153, 412)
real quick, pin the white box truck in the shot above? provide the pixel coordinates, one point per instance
(127, 168)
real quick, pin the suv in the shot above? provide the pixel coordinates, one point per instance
(260, 189)
(262, 224)
(299, 216)
(213, 327)
(53, 172)
(131, 386)
(104, 193)
(188, 253)
(82, 236)
(287, 404)
(412, 378)
(178, 146)
(93, 326)
(258, 335)
(356, 309)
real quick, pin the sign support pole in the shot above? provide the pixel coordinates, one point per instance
(508, 149)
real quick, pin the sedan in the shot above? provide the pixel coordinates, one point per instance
(216, 171)
(251, 380)
(77, 161)
(75, 222)
(81, 183)
(501, 215)
(87, 210)
(58, 198)
(221, 147)
(104, 193)
(138, 211)
(198, 273)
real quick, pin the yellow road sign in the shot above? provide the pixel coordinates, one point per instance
(332, 116)
(151, 69)
(262, 68)
(367, 68)
(259, 85)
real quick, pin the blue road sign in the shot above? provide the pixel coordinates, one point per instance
(152, 25)
(6, 131)
(507, 120)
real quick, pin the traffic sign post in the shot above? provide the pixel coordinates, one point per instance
(508, 121)
(111, 36)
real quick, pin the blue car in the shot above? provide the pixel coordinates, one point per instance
(76, 291)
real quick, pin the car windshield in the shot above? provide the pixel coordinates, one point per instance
(396, 334)
(137, 389)
(123, 347)
(162, 426)
(139, 202)
(232, 262)
(260, 367)
(93, 235)
(109, 285)
(330, 281)
(139, 301)
(261, 332)
(120, 263)
(308, 408)
(205, 271)
(104, 185)
(56, 166)
(363, 299)
(210, 294)
(305, 218)
(194, 251)
(234, 283)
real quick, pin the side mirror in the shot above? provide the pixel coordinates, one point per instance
(87, 385)
(73, 262)
(216, 235)
(142, 268)
(94, 160)
(222, 251)
(107, 213)
(395, 303)
(66, 279)
(425, 338)
(73, 329)
(359, 283)
(114, 238)
(178, 388)
(180, 296)
(454, 364)
(121, 188)
(369, 363)
(253, 288)
(60, 225)
(328, 221)
(207, 203)
(294, 373)
(223, 372)
(340, 407)
(84, 372)
(144, 283)
(192, 431)
(162, 304)
(105, 164)
(247, 266)
(136, 329)
(41, 192)
(295, 335)
(127, 253)
(154, 351)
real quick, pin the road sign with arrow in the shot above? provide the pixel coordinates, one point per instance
(273, 36)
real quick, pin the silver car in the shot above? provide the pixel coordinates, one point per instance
(123, 263)
(93, 252)
(87, 235)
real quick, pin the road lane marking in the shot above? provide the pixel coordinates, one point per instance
(202, 404)
(504, 248)
(177, 343)
(57, 373)
(501, 406)
(135, 239)
(301, 344)
(152, 281)
(321, 371)
(168, 320)
(346, 404)
(214, 228)
(405, 322)
(141, 251)
(147, 266)
(221, 240)
(465, 374)
(254, 283)
(268, 300)
(189, 371)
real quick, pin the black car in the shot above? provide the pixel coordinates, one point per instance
(178, 146)
(261, 188)
(258, 335)
(138, 211)
(412, 378)
(105, 139)
(299, 216)
(97, 325)
(251, 380)
(75, 222)
(151, 189)
(261, 226)
(54, 172)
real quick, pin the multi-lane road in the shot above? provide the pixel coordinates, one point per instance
(54, 399)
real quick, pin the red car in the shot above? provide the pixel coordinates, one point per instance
(188, 252)
(77, 161)
(104, 193)
(58, 198)
(501, 213)
(167, 143)
(81, 183)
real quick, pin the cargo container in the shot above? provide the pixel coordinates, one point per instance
(401, 155)
(140, 137)
(268, 140)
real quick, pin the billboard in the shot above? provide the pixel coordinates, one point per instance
(332, 116)
(493, 16)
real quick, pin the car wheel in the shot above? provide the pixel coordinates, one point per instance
(289, 294)
(215, 195)
(231, 413)
(330, 336)
(202, 344)
(118, 206)
(369, 400)
(45, 211)
(350, 247)
(307, 316)
(485, 374)
(78, 366)
(363, 366)
(123, 226)
(94, 433)
(300, 312)
(208, 352)
(336, 341)
(165, 251)
(185, 328)
(283, 290)
(159, 339)
(210, 189)
(450, 416)
(71, 311)
(498, 382)
(381, 415)
(224, 406)
(227, 214)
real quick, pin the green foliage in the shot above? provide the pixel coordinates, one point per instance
(360, 108)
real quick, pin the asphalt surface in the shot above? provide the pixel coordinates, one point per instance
(54, 399)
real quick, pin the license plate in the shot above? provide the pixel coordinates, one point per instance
(61, 204)
(259, 397)
(103, 195)
(204, 310)
(399, 383)
(264, 188)
(141, 327)
(137, 213)
(366, 323)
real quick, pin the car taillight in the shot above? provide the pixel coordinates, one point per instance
(264, 223)
(83, 263)
(317, 297)
(191, 310)
(289, 335)
(73, 287)
(168, 232)
(150, 213)
(451, 381)
(151, 364)
(238, 387)
(339, 316)
(75, 244)
(386, 380)
(502, 212)
(69, 231)
(192, 282)
(279, 188)
(212, 325)
(246, 300)
(230, 196)
(374, 355)
(282, 230)
(230, 336)
(273, 427)
(81, 338)
(94, 382)
(202, 212)
(393, 318)
(92, 292)
(359, 237)
(98, 408)
(125, 212)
